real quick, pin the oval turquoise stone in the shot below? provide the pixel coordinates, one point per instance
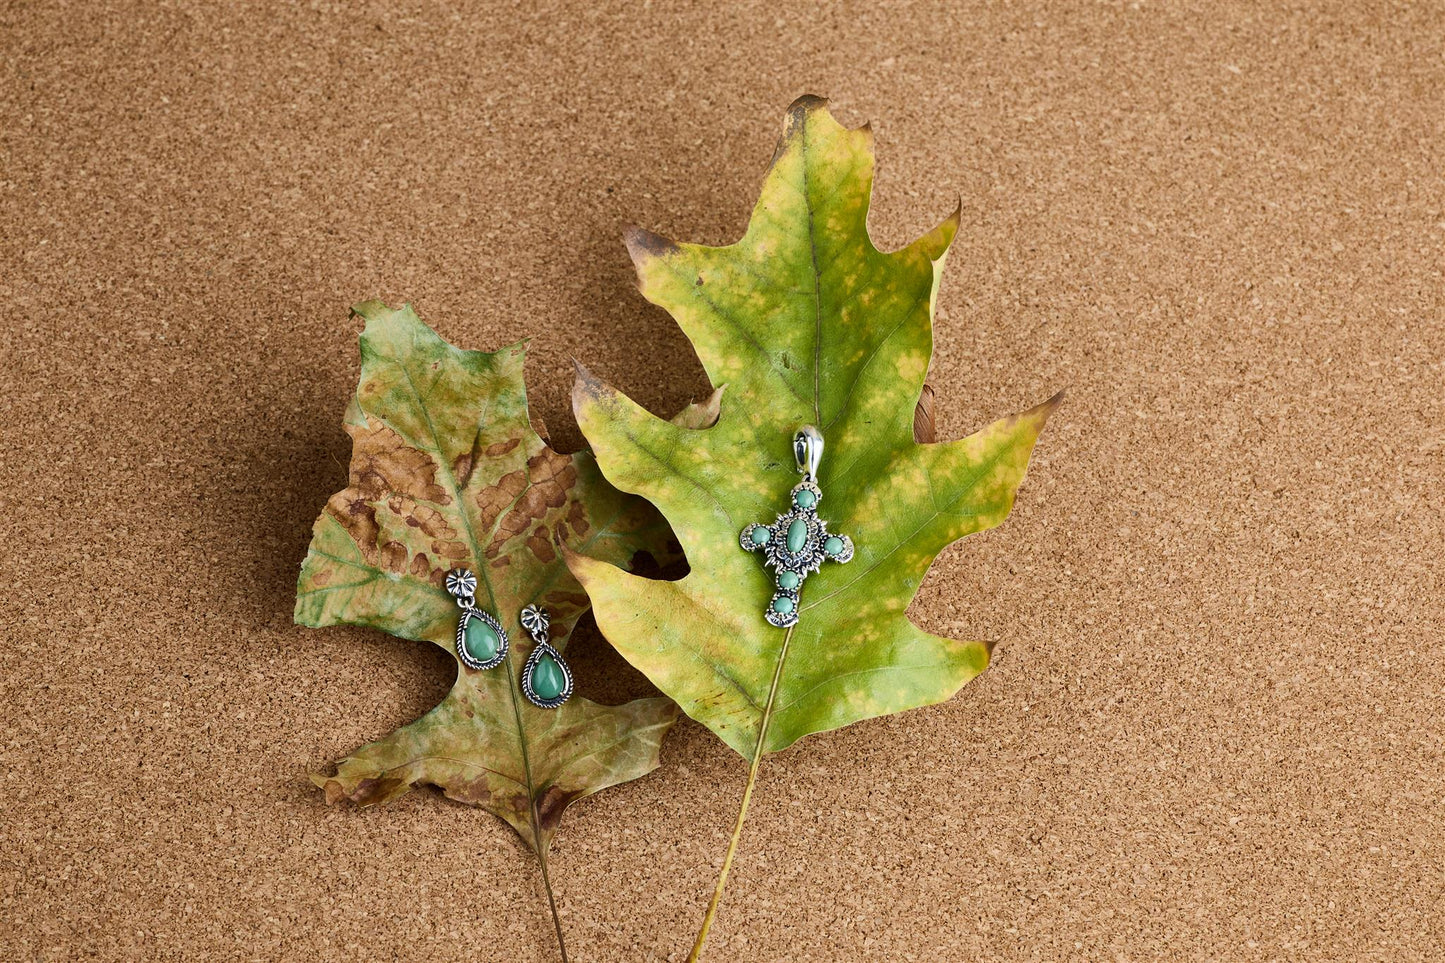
(833, 545)
(548, 680)
(804, 498)
(782, 605)
(797, 535)
(481, 640)
(788, 580)
(759, 536)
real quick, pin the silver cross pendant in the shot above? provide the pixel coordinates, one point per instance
(796, 545)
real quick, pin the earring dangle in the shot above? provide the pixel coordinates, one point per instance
(546, 679)
(481, 640)
(797, 544)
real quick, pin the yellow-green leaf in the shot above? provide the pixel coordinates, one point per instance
(447, 472)
(806, 322)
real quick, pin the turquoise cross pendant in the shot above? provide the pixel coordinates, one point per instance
(796, 545)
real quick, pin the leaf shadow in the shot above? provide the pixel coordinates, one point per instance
(628, 342)
(292, 457)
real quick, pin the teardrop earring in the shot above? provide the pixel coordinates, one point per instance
(546, 679)
(481, 640)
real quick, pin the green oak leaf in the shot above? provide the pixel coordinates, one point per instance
(447, 471)
(806, 322)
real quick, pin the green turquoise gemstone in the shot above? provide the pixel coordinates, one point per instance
(833, 545)
(804, 498)
(788, 580)
(782, 605)
(759, 536)
(548, 680)
(797, 535)
(481, 640)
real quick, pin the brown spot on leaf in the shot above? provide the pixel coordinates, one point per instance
(493, 500)
(432, 522)
(420, 567)
(381, 463)
(502, 562)
(551, 477)
(416, 515)
(642, 244)
(452, 550)
(502, 447)
(474, 792)
(353, 513)
(551, 805)
(321, 576)
(462, 469)
(577, 518)
(367, 791)
(394, 557)
(540, 547)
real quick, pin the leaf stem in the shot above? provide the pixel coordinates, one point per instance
(547, 879)
(539, 845)
(722, 877)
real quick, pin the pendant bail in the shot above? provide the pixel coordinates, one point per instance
(808, 451)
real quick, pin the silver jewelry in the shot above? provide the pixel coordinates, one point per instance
(797, 544)
(481, 641)
(546, 678)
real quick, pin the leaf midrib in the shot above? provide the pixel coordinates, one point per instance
(476, 556)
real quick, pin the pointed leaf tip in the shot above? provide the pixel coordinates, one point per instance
(1047, 409)
(643, 244)
(586, 387)
(808, 103)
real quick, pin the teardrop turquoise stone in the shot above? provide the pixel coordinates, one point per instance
(797, 535)
(759, 536)
(548, 680)
(782, 605)
(788, 580)
(833, 545)
(804, 498)
(481, 640)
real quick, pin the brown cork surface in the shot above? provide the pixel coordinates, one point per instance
(1214, 728)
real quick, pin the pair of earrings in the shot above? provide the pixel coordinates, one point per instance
(482, 644)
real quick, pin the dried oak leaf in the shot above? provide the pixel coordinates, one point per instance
(447, 471)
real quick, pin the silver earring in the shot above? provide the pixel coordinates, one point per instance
(797, 544)
(481, 640)
(546, 679)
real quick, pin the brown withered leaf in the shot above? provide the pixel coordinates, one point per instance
(448, 472)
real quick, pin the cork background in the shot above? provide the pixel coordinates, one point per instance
(1213, 727)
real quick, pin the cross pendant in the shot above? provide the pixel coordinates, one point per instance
(797, 544)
